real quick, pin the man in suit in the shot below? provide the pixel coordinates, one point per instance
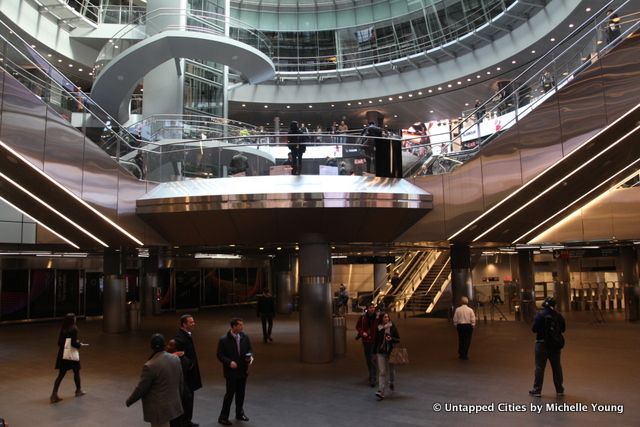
(159, 387)
(236, 355)
(184, 343)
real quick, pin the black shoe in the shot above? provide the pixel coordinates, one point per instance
(224, 422)
(560, 393)
(535, 393)
(192, 424)
(242, 417)
(270, 339)
(391, 387)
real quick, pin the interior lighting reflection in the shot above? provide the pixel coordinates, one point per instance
(535, 178)
(71, 194)
(40, 223)
(560, 181)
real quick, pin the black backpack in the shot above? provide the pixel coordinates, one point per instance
(553, 338)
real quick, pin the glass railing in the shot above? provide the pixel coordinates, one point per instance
(540, 81)
(401, 42)
(196, 21)
(125, 14)
(262, 154)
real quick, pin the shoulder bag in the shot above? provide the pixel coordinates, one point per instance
(399, 356)
(70, 352)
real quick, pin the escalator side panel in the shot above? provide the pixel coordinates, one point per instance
(624, 90)
(501, 170)
(463, 187)
(100, 180)
(23, 121)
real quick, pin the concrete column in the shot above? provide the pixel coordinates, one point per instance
(114, 318)
(149, 283)
(460, 273)
(627, 268)
(164, 86)
(527, 284)
(379, 276)
(563, 285)
(316, 327)
(283, 279)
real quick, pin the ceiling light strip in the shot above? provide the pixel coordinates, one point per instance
(70, 193)
(39, 222)
(52, 209)
(582, 197)
(583, 165)
(541, 173)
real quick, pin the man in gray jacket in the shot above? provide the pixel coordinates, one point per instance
(160, 386)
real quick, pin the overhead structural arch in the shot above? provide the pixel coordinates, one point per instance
(117, 81)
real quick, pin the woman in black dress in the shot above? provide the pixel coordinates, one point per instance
(68, 330)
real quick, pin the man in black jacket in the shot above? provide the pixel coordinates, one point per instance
(184, 343)
(548, 325)
(236, 355)
(266, 309)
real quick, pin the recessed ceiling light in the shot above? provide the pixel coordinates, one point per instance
(488, 72)
(370, 102)
(459, 83)
(261, 248)
(571, 25)
(359, 102)
(33, 46)
(468, 79)
(533, 51)
(430, 91)
(552, 39)
(431, 111)
(420, 93)
(440, 88)
(332, 105)
(379, 100)
(310, 106)
(449, 85)
(390, 98)
(48, 55)
(278, 248)
(478, 76)
(399, 96)
(79, 69)
(59, 60)
(395, 116)
(288, 106)
(348, 104)
(498, 69)
(266, 106)
(70, 65)
(244, 105)
(588, 9)
(91, 74)
(513, 62)
(410, 95)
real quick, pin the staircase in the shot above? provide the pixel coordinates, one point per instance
(426, 295)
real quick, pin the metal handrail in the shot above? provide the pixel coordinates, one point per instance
(211, 23)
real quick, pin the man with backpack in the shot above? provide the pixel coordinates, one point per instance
(548, 325)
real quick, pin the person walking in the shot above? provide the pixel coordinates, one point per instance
(266, 309)
(548, 325)
(159, 388)
(342, 302)
(464, 319)
(68, 356)
(296, 145)
(386, 337)
(236, 355)
(184, 343)
(367, 327)
(185, 393)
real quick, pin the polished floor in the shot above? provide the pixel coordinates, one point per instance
(600, 367)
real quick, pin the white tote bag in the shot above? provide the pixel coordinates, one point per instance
(70, 352)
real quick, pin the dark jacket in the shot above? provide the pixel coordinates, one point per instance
(184, 342)
(73, 334)
(369, 325)
(228, 352)
(383, 346)
(538, 322)
(296, 140)
(266, 306)
(159, 388)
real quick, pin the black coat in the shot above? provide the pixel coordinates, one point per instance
(228, 352)
(184, 342)
(266, 306)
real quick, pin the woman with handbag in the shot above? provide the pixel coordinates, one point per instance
(386, 337)
(68, 356)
